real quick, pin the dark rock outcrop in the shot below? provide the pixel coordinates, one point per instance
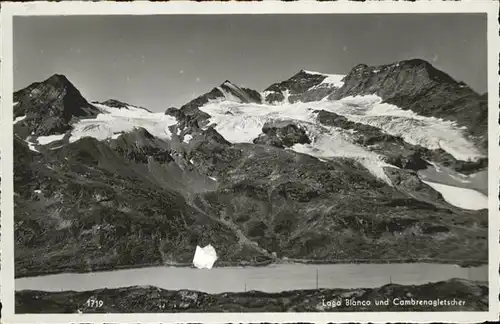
(140, 145)
(302, 86)
(192, 107)
(282, 134)
(245, 95)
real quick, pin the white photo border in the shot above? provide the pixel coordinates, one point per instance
(490, 7)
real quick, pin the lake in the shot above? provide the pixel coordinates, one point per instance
(273, 278)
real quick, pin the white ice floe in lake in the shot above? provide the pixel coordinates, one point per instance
(461, 197)
(204, 258)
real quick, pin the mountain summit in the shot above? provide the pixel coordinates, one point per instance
(418, 86)
(50, 106)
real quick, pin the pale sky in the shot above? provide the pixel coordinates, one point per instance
(163, 61)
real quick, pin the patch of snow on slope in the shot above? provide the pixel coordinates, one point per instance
(187, 138)
(331, 79)
(32, 147)
(461, 197)
(107, 125)
(18, 119)
(312, 72)
(264, 94)
(286, 95)
(44, 140)
(326, 146)
(334, 79)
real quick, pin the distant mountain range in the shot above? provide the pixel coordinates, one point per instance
(366, 167)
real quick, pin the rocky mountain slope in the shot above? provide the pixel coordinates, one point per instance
(49, 107)
(315, 176)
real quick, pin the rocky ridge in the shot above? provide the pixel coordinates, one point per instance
(304, 86)
(418, 86)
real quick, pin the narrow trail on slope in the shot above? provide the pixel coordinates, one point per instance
(243, 239)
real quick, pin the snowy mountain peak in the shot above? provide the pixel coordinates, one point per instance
(48, 107)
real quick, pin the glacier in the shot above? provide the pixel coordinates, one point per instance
(239, 122)
(242, 123)
(112, 122)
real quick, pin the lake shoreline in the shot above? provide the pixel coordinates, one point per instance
(473, 296)
(227, 264)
